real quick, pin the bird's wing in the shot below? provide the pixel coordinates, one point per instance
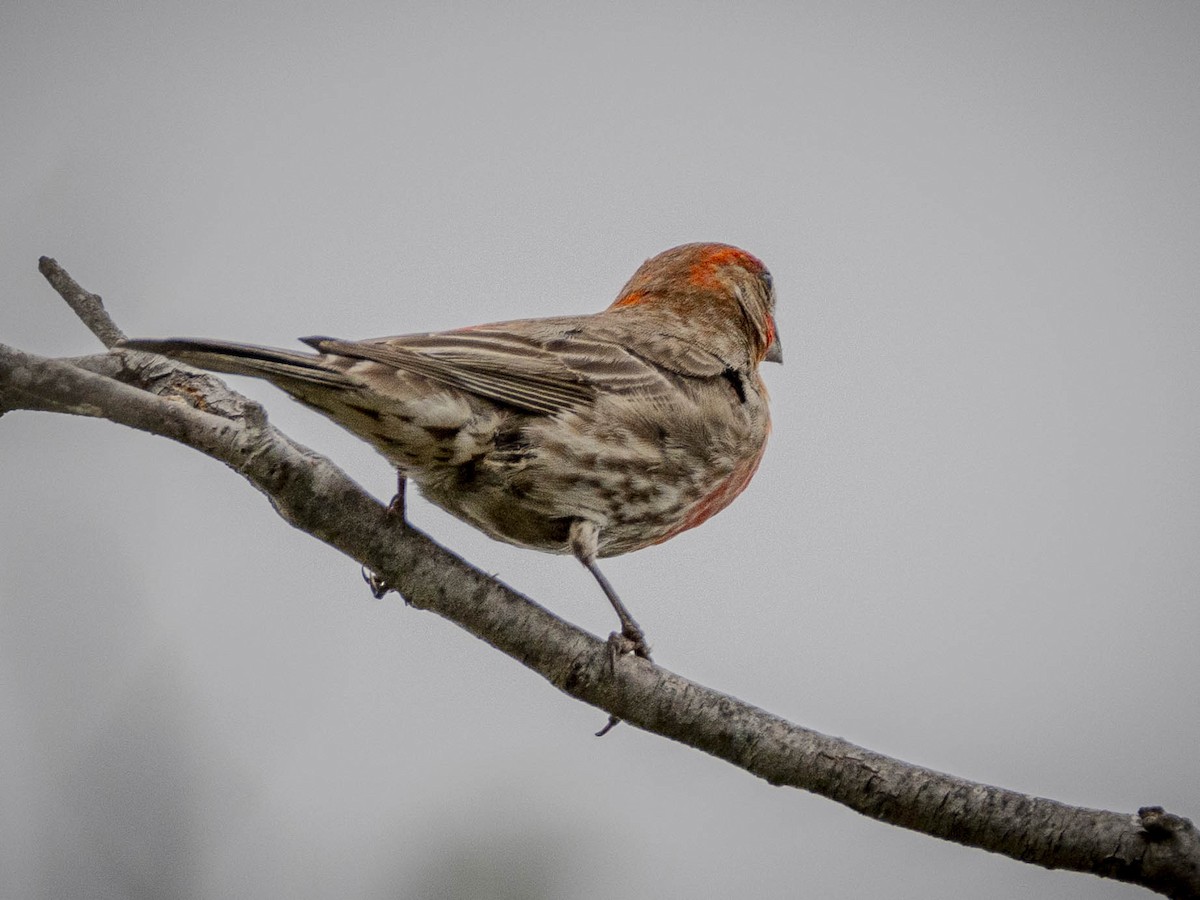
(538, 365)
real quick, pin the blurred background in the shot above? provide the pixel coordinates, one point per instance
(971, 545)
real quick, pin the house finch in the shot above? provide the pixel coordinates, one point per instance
(592, 435)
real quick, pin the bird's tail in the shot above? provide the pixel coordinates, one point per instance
(285, 368)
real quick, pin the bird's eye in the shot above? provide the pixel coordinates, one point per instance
(767, 280)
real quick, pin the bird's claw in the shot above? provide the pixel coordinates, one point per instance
(376, 583)
(613, 722)
(620, 643)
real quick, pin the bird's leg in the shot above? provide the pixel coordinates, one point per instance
(584, 539)
(395, 509)
(631, 639)
(397, 506)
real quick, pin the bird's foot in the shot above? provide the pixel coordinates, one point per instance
(629, 640)
(375, 583)
(620, 643)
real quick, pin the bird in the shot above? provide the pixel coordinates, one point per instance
(591, 435)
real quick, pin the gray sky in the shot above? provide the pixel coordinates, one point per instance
(972, 543)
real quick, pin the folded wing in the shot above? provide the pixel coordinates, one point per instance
(540, 365)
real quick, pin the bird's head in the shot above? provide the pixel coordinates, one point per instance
(712, 284)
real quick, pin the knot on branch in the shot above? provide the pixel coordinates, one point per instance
(1159, 825)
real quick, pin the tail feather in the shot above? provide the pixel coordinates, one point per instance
(283, 367)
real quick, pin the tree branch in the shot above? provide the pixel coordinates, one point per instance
(1152, 848)
(88, 306)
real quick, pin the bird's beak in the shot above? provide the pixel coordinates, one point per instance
(774, 351)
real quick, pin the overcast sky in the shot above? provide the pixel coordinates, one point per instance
(972, 543)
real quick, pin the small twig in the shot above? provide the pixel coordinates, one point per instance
(88, 306)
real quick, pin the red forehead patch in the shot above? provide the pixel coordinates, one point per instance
(705, 267)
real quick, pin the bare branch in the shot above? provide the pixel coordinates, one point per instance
(1153, 848)
(88, 306)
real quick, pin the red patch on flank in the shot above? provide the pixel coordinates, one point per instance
(704, 270)
(719, 497)
(630, 299)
